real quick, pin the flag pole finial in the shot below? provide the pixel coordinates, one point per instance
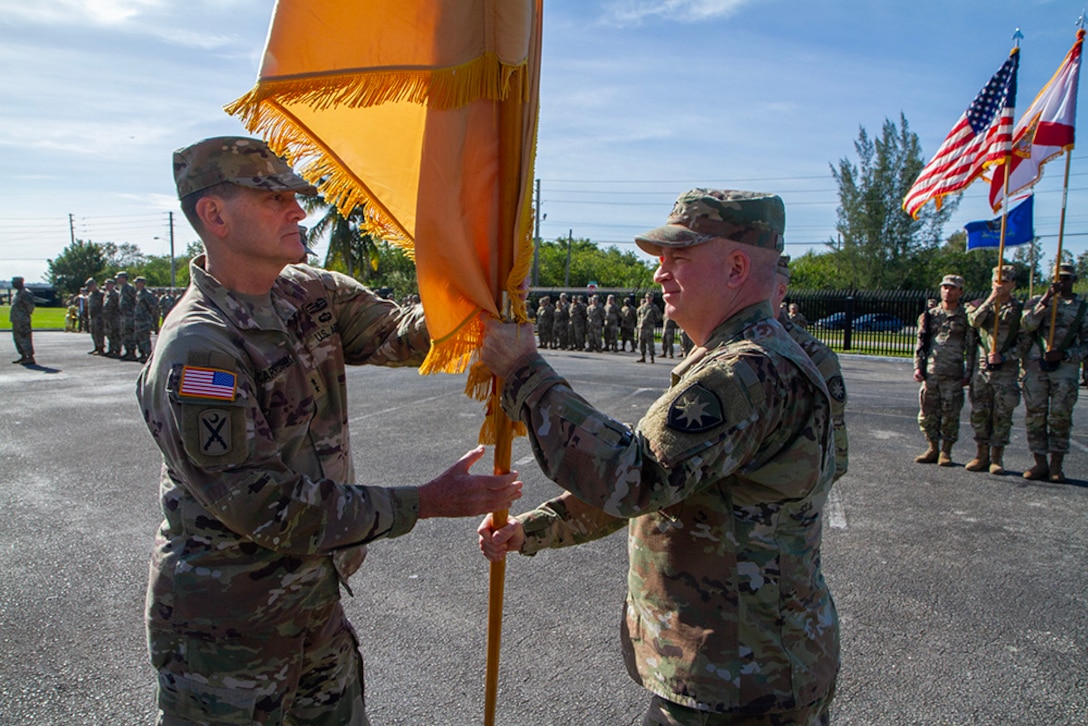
(1080, 21)
(1017, 37)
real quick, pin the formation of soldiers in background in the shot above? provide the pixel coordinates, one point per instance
(1001, 347)
(600, 327)
(120, 317)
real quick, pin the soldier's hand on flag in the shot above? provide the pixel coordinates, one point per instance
(507, 346)
(457, 493)
(495, 543)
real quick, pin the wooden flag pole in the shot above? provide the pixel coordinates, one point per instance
(1058, 258)
(504, 437)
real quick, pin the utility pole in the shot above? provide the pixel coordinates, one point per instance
(536, 238)
(71, 228)
(173, 273)
(566, 273)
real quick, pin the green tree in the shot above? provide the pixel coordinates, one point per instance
(351, 250)
(608, 267)
(878, 243)
(76, 262)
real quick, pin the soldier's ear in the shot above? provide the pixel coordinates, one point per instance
(211, 210)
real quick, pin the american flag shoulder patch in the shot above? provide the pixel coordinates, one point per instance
(198, 382)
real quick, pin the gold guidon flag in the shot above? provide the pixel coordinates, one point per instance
(424, 112)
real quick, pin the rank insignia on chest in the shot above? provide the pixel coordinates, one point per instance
(696, 409)
(197, 382)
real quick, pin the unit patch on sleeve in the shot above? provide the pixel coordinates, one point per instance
(695, 410)
(214, 432)
(213, 383)
(837, 389)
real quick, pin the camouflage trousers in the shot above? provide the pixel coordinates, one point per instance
(611, 335)
(940, 402)
(646, 342)
(595, 333)
(545, 334)
(142, 338)
(663, 712)
(668, 340)
(98, 333)
(562, 335)
(1049, 400)
(23, 335)
(128, 333)
(312, 675)
(113, 335)
(993, 400)
(578, 336)
(627, 335)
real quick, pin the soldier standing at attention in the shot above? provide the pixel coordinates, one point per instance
(578, 319)
(545, 322)
(611, 323)
(628, 324)
(1050, 375)
(95, 304)
(595, 323)
(128, 316)
(111, 312)
(264, 518)
(562, 322)
(668, 337)
(145, 317)
(944, 361)
(995, 392)
(721, 485)
(649, 317)
(825, 361)
(22, 308)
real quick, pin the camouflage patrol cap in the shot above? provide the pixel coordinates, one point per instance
(700, 215)
(141, 278)
(952, 281)
(236, 159)
(784, 266)
(1007, 272)
(1066, 270)
(123, 274)
(90, 281)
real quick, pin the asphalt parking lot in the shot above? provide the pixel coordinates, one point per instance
(962, 596)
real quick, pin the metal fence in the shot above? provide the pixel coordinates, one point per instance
(878, 322)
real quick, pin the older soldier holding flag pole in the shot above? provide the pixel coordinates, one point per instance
(721, 485)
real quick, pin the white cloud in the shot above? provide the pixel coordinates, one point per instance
(78, 12)
(634, 12)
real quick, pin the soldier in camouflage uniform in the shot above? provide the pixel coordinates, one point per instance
(578, 318)
(595, 323)
(95, 320)
(944, 362)
(628, 324)
(264, 519)
(111, 314)
(611, 324)
(1050, 372)
(145, 317)
(545, 322)
(995, 392)
(668, 337)
(649, 317)
(721, 485)
(825, 361)
(562, 322)
(128, 316)
(22, 308)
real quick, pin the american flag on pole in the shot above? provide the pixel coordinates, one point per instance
(1045, 130)
(982, 137)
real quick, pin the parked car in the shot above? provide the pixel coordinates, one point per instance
(835, 321)
(879, 322)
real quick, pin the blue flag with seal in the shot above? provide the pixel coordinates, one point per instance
(1020, 228)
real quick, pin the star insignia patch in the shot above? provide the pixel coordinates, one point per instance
(696, 409)
(837, 389)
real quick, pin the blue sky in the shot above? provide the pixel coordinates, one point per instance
(640, 100)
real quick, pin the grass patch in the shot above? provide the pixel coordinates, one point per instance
(43, 318)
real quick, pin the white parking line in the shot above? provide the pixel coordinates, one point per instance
(836, 511)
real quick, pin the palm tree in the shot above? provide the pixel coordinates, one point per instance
(349, 245)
